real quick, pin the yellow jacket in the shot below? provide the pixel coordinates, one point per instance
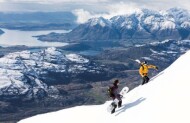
(143, 70)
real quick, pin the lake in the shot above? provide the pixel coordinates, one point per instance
(17, 37)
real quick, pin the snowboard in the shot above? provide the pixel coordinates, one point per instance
(115, 101)
(124, 91)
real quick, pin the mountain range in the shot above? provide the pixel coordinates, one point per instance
(26, 72)
(144, 24)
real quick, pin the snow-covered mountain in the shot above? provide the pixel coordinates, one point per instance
(165, 99)
(99, 21)
(145, 24)
(29, 74)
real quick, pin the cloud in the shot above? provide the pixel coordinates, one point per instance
(122, 8)
(54, 1)
(84, 9)
(110, 11)
(160, 4)
(82, 15)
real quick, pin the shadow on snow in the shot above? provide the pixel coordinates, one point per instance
(130, 105)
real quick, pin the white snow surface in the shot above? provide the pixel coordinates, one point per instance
(165, 99)
(101, 21)
(52, 51)
(76, 58)
(185, 25)
(168, 25)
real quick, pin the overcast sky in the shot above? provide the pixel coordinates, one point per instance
(85, 9)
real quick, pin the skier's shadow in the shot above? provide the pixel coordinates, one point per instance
(129, 105)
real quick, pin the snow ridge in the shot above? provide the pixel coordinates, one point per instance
(149, 20)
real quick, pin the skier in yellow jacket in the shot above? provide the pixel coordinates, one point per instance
(143, 71)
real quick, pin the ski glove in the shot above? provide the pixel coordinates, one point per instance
(156, 68)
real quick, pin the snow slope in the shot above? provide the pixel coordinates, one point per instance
(165, 99)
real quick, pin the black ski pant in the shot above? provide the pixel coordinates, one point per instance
(118, 96)
(115, 105)
(145, 80)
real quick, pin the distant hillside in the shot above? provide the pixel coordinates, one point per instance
(37, 20)
(46, 17)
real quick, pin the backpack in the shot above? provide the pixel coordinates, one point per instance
(110, 91)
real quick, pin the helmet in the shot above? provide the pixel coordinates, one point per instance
(144, 62)
(116, 81)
